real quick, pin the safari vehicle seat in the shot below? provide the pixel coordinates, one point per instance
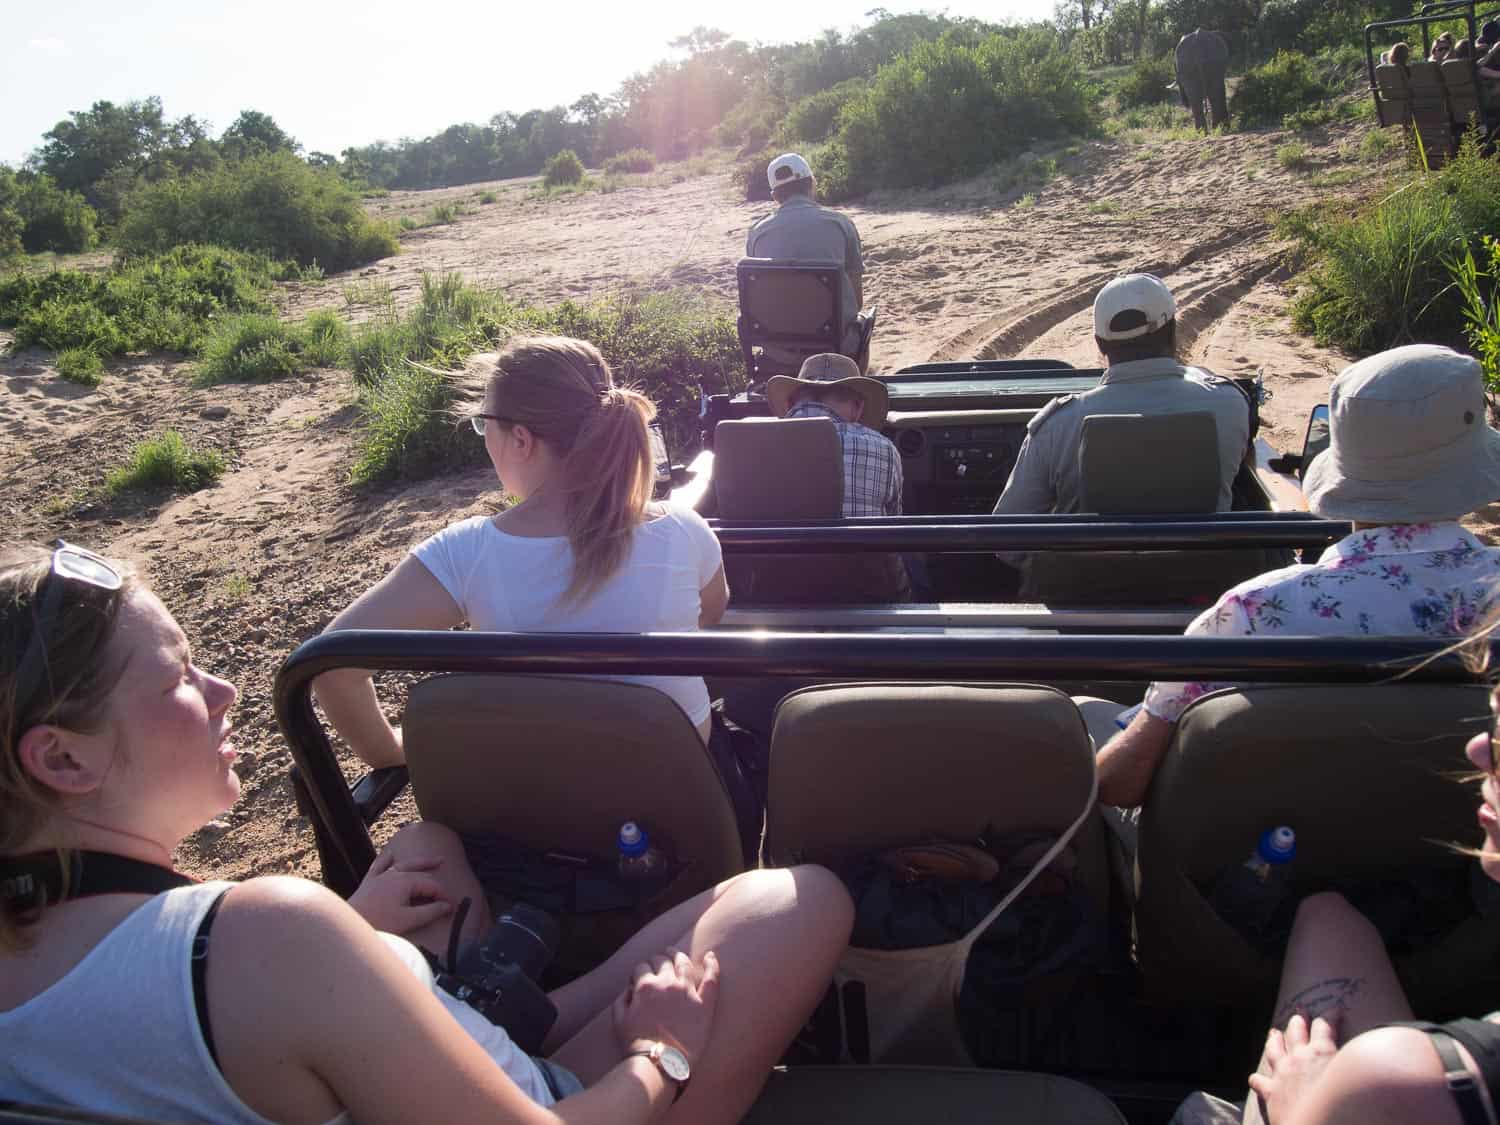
(897, 1095)
(1135, 464)
(1430, 117)
(793, 469)
(1463, 93)
(1394, 100)
(859, 768)
(557, 764)
(1365, 776)
(792, 309)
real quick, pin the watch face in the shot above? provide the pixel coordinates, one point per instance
(674, 1064)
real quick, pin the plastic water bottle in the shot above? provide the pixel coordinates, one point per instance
(1247, 896)
(639, 860)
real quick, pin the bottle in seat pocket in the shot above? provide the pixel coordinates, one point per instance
(1247, 895)
(639, 860)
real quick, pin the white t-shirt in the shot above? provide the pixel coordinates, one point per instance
(513, 584)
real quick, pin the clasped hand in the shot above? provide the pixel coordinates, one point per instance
(400, 898)
(671, 999)
(1293, 1062)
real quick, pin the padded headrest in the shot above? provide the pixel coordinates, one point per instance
(1377, 763)
(1158, 464)
(791, 300)
(773, 469)
(860, 767)
(1392, 81)
(562, 762)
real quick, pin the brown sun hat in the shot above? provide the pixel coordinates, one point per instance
(829, 369)
(1408, 440)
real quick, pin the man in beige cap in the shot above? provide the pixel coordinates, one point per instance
(830, 386)
(1135, 327)
(800, 229)
(1409, 454)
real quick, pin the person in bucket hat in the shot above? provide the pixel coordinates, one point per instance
(801, 230)
(830, 386)
(1410, 453)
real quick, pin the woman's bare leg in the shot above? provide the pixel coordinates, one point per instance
(778, 935)
(425, 840)
(1336, 967)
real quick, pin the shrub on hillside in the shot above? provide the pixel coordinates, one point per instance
(631, 160)
(1146, 83)
(250, 346)
(80, 365)
(1288, 83)
(564, 168)
(273, 204)
(166, 462)
(1379, 278)
(815, 116)
(53, 219)
(945, 110)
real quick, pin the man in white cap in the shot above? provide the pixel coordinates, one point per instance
(830, 386)
(1135, 326)
(1409, 454)
(800, 229)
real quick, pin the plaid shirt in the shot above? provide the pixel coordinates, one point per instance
(872, 467)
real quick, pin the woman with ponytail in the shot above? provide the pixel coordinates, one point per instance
(584, 550)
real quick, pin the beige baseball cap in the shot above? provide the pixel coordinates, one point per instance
(1408, 440)
(1132, 305)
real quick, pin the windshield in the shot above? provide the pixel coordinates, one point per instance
(991, 385)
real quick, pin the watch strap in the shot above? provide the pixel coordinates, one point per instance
(654, 1055)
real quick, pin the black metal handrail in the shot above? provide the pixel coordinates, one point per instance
(1338, 528)
(341, 825)
(990, 537)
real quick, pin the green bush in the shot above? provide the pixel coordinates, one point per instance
(564, 168)
(1379, 278)
(945, 110)
(631, 160)
(250, 346)
(1146, 83)
(160, 303)
(1479, 291)
(53, 219)
(487, 197)
(166, 462)
(1268, 93)
(325, 338)
(80, 365)
(1292, 155)
(815, 117)
(272, 204)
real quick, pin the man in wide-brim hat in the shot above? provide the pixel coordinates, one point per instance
(1410, 453)
(830, 386)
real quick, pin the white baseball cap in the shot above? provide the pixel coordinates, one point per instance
(1132, 305)
(787, 168)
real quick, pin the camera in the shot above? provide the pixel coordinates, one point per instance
(497, 975)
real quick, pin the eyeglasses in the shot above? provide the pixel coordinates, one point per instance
(73, 564)
(478, 421)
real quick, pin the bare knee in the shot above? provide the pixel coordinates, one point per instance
(1327, 909)
(813, 895)
(425, 838)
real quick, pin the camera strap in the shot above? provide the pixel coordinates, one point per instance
(31, 882)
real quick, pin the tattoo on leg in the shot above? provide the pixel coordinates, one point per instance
(1336, 994)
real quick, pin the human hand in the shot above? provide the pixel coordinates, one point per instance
(671, 999)
(1293, 1062)
(400, 898)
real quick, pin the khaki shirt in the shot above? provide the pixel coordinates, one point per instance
(801, 229)
(1046, 477)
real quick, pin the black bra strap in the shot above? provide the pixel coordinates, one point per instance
(200, 974)
(1462, 1083)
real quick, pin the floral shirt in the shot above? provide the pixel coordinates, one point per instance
(1401, 580)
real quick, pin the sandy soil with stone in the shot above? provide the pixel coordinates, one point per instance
(263, 560)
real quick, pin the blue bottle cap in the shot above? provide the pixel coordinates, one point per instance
(632, 840)
(1278, 845)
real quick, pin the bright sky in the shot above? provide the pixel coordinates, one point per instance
(334, 73)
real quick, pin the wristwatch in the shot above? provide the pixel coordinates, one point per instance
(670, 1061)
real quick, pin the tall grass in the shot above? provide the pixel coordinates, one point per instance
(1479, 291)
(166, 462)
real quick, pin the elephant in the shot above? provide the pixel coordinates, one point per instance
(1202, 57)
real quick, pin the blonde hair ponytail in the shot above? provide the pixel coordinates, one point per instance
(562, 390)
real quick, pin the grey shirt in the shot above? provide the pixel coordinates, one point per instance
(801, 229)
(1046, 477)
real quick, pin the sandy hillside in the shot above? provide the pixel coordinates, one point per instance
(262, 561)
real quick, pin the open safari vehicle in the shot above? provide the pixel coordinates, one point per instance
(1081, 986)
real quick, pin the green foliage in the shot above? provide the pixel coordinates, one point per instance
(815, 116)
(254, 134)
(1146, 83)
(80, 365)
(1268, 93)
(161, 303)
(166, 462)
(250, 346)
(1292, 155)
(271, 204)
(52, 219)
(1376, 144)
(488, 197)
(1479, 292)
(631, 160)
(11, 223)
(947, 109)
(326, 338)
(1379, 278)
(564, 168)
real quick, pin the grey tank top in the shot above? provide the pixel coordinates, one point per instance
(119, 1033)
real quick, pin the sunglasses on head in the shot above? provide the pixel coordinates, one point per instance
(69, 564)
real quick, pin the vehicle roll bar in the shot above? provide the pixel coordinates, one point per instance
(970, 537)
(341, 816)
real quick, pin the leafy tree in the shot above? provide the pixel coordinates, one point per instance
(254, 133)
(11, 223)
